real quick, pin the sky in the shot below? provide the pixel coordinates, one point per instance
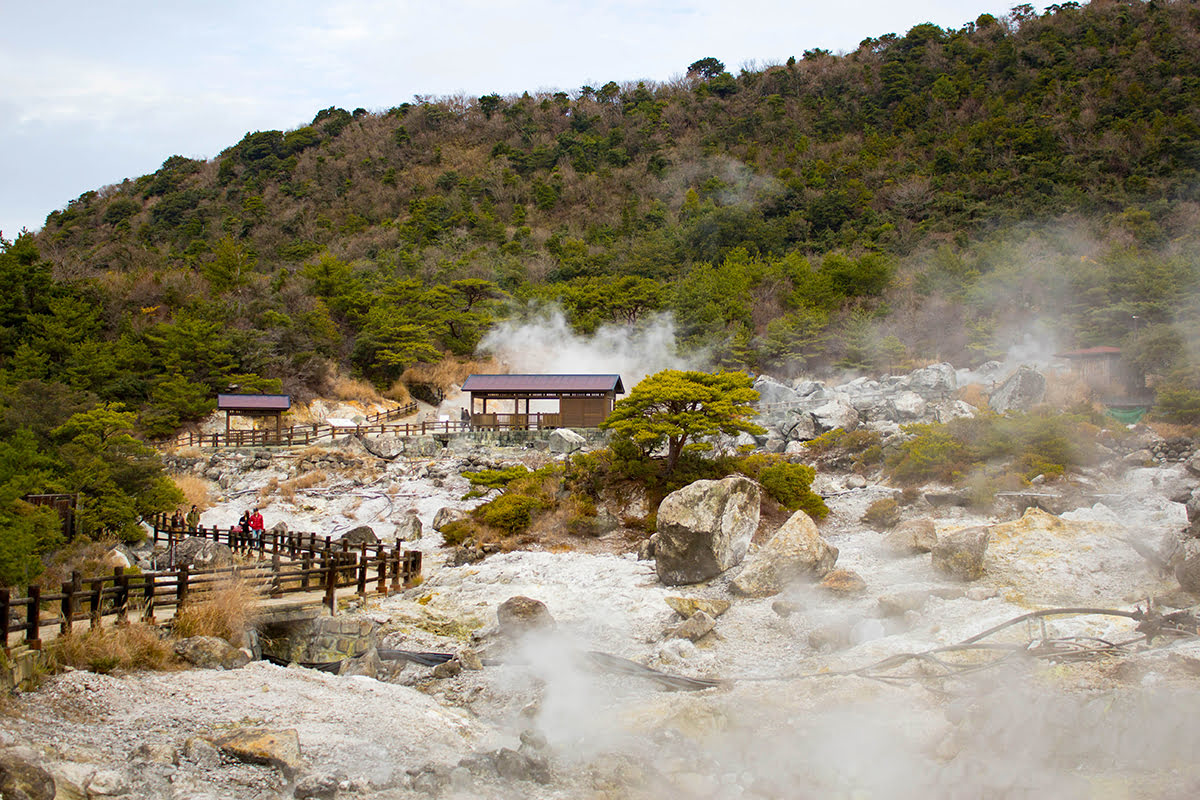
(93, 92)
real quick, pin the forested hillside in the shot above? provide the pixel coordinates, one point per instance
(930, 195)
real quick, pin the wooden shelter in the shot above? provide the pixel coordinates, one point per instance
(1105, 371)
(583, 400)
(254, 405)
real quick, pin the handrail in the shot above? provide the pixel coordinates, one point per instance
(380, 422)
(312, 562)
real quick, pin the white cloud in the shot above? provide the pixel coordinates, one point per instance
(113, 88)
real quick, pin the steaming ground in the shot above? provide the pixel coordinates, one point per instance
(785, 727)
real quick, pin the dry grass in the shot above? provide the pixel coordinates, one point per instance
(286, 490)
(195, 490)
(347, 389)
(226, 610)
(398, 392)
(973, 394)
(124, 647)
(447, 372)
(87, 557)
(1168, 430)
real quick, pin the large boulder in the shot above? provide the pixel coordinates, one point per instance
(905, 407)
(387, 446)
(519, 615)
(796, 552)
(446, 515)
(911, 536)
(565, 440)
(771, 391)
(275, 748)
(933, 382)
(959, 554)
(705, 528)
(363, 534)
(202, 553)
(836, 413)
(1024, 389)
(21, 780)
(408, 527)
(210, 652)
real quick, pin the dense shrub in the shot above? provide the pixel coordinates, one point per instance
(786, 482)
(1038, 443)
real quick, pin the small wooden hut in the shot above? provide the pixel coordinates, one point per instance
(583, 400)
(254, 405)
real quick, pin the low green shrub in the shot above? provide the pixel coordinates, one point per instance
(882, 514)
(788, 483)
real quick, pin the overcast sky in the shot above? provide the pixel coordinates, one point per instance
(95, 92)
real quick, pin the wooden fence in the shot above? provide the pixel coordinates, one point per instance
(307, 434)
(288, 563)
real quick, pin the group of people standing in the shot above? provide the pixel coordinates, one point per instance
(192, 520)
(251, 522)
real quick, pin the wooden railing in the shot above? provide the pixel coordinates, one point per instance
(306, 434)
(516, 422)
(288, 563)
(377, 425)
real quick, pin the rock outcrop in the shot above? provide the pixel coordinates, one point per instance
(959, 554)
(911, 536)
(1023, 390)
(705, 528)
(795, 552)
(210, 652)
(202, 553)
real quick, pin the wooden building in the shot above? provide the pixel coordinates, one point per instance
(583, 400)
(254, 405)
(1107, 373)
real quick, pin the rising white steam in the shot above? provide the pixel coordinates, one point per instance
(547, 344)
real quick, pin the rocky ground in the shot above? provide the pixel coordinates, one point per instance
(810, 701)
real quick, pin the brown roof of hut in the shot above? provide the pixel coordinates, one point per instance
(543, 385)
(269, 403)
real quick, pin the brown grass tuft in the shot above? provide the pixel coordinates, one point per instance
(195, 490)
(347, 389)
(126, 647)
(398, 392)
(225, 610)
(286, 490)
(973, 394)
(447, 371)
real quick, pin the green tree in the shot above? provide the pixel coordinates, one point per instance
(120, 478)
(679, 408)
(706, 68)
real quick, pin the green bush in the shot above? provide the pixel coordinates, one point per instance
(882, 514)
(786, 482)
(510, 513)
(1038, 443)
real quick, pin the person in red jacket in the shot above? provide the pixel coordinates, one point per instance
(256, 525)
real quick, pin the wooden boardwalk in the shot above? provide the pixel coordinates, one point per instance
(293, 571)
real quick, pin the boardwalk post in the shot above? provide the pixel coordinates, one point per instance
(330, 581)
(305, 566)
(382, 557)
(148, 610)
(121, 599)
(33, 638)
(362, 571)
(396, 557)
(181, 587)
(97, 601)
(5, 617)
(68, 609)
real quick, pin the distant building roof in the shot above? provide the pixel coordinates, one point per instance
(1090, 352)
(544, 384)
(254, 402)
